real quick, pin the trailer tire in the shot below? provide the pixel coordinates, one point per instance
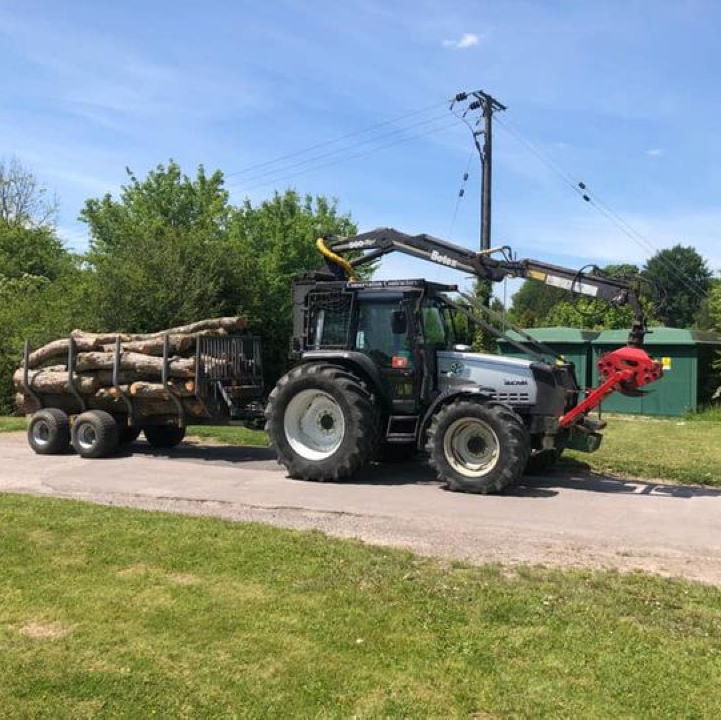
(164, 436)
(477, 447)
(95, 434)
(128, 434)
(322, 422)
(49, 432)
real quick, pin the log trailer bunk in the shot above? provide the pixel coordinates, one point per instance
(378, 371)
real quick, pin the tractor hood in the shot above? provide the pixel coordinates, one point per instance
(511, 379)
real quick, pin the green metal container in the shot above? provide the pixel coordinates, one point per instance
(688, 379)
(573, 344)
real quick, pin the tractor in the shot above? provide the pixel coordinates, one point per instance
(381, 369)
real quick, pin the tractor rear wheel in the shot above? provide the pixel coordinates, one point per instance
(477, 447)
(322, 422)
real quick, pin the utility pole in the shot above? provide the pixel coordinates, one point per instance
(487, 104)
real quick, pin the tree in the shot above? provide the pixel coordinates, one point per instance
(23, 201)
(172, 249)
(158, 254)
(532, 302)
(276, 242)
(683, 279)
(36, 298)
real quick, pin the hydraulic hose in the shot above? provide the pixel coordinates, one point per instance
(328, 254)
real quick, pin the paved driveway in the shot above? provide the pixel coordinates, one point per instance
(556, 520)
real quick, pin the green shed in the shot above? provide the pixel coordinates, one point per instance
(572, 343)
(688, 379)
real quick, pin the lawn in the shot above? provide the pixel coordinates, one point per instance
(109, 612)
(686, 450)
(12, 424)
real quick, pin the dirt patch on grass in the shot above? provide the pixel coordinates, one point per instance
(44, 630)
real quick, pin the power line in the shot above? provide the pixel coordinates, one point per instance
(336, 161)
(283, 168)
(582, 190)
(324, 143)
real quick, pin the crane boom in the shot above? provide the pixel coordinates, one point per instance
(493, 264)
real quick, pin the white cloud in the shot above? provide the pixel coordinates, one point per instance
(654, 152)
(465, 41)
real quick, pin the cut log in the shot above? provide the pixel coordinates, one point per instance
(227, 324)
(137, 362)
(157, 390)
(177, 344)
(55, 382)
(58, 349)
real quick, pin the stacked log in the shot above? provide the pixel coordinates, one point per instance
(140, 368)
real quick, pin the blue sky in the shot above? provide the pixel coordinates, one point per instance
(622, 95)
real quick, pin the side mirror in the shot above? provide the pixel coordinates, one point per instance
(399, 322)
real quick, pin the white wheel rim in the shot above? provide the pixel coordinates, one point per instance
(41, 433)
(314, 424)
(86, 436)
(471, 447)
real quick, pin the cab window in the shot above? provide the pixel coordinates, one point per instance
(375, 336)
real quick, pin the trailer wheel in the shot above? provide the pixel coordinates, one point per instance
(49, 432)
(477, 447)
(322, 422)
(164, 436)
(128, 434)
(95, 434)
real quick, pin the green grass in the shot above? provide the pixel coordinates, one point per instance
(108, 612)
(12, 424)
(230, 435)
(679, 449)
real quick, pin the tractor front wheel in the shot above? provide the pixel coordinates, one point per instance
(322, 422)
(477, 447)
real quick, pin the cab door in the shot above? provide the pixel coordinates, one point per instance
(384, 332)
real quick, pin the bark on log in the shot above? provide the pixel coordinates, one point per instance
(177, 344)
(59, 349)
(142, 364)
(228, 324)
(157, 390)
(56, 383)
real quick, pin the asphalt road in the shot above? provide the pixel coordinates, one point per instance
(556, 520)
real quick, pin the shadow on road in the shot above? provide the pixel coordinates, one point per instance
(417, 472)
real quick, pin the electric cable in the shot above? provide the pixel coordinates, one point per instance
(254, 177)
(582, 190)
(324, 143)
(336, 161)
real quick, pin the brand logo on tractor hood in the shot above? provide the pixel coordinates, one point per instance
(514, 381)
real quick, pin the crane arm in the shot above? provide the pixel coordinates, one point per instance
(494, 264)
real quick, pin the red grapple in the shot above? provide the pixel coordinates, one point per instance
(625, 370)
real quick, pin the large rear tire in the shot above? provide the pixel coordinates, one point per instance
(477, 447)
(95, 434)
(322, 422)
(49, 432)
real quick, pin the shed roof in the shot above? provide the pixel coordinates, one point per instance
(556, 334)
(662, 336)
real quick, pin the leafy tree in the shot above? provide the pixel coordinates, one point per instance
(533, 301)
(158, 253)
(37, 298)
(683, 278)
(276, 241)
(172, 249)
